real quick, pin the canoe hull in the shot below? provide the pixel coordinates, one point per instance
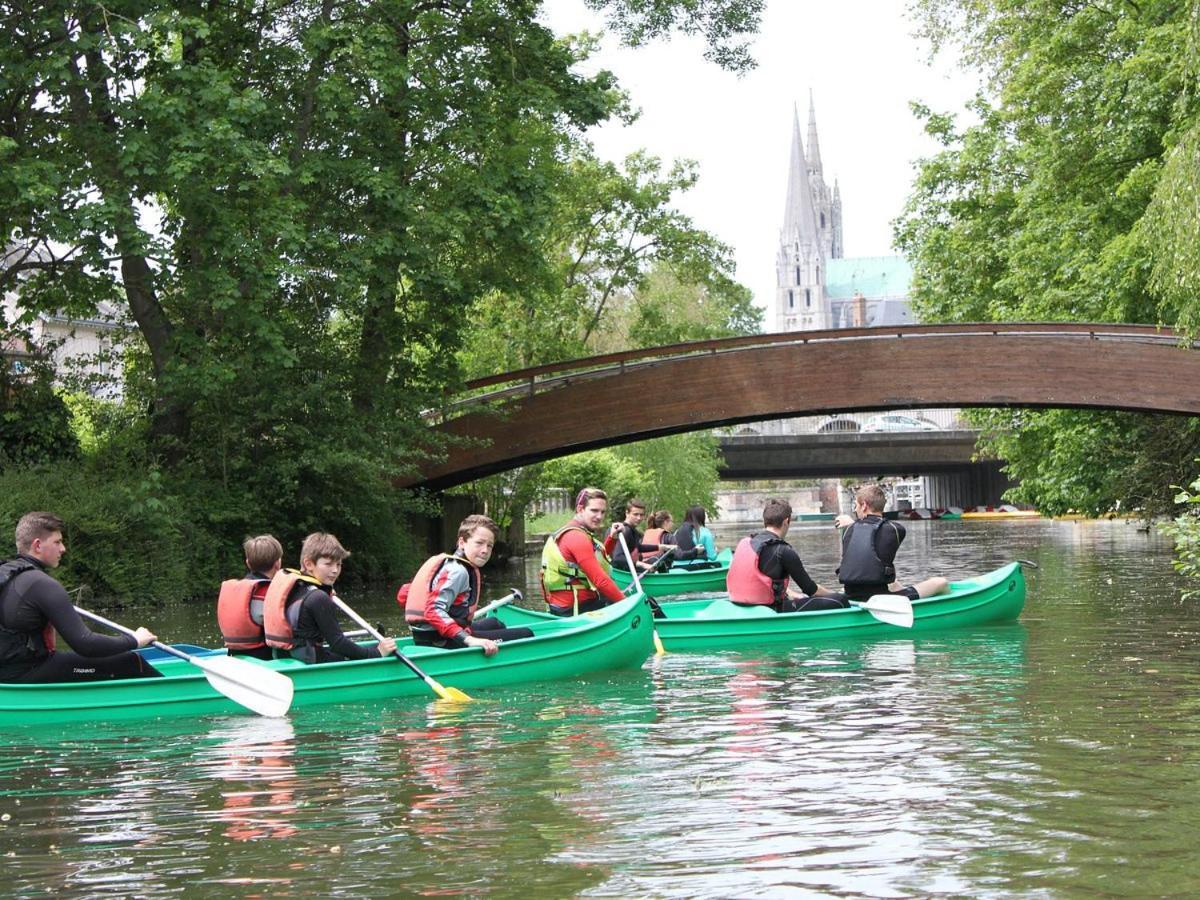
(679, 580)
(618, 637)
(997, 596)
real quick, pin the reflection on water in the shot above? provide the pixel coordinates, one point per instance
(1056, 756)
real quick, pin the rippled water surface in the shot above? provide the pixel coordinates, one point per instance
(1058, 756)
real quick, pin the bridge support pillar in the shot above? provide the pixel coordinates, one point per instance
(983, 484)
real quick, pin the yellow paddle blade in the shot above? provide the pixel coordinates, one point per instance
(452, 694)
(659, 649)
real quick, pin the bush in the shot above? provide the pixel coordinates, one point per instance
(126, 536)
(1185, 529)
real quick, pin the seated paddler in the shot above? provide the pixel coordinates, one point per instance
(440, 602)
(301, 619)
(33, 606)
(241, 601)
(575, 565)
(639, 546)
(766, 570)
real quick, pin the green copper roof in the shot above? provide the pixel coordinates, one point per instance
(871, 276)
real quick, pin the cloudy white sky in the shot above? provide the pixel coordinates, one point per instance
(863, 66)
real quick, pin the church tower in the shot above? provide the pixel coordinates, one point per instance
(811, 235)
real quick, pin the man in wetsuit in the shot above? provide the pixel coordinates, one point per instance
(767, 571)
(33, 605)
(869, 545)
(635, 511)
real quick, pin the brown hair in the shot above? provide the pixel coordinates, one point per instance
(775, 511)
(320, 545)
(635, 503)
(34, 525)
(873, 496)
(470, 523)
(262, 552)
(589, 494)
(660, 519)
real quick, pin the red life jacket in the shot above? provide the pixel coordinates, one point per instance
(745, 583)
(417, 593)
(237, 605)
(281, 610)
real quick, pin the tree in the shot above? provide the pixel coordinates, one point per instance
(1061, 203)
(296, 204)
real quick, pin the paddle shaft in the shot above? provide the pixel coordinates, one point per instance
(363, 623)
(502, 601)
(166, 648)
(659, 649)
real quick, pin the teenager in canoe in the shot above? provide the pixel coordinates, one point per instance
(869, 546)
(33, 606)
(575, 565)
(767, 571)
(661, 532)
(635, 511)
(240, 603)
(439, 603)
(299, 614)
(693, 540)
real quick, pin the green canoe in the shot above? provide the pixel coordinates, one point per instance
(617, 637)
(715, 624)
(682, 578)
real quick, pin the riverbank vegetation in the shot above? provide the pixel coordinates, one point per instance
(307, 215)
(1071, 194)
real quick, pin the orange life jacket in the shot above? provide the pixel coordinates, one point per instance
(653, 536)
(240, 612)
(281, 610)
(420, 589)
(745, 583)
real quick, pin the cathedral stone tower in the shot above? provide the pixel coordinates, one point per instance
(811, 235)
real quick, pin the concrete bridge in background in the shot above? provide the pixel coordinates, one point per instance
(517, 418)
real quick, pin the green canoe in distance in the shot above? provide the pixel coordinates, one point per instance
(617, 637)
(681, 578)
(710, 624)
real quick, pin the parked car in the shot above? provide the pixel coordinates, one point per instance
(836, 424)
(898, 422)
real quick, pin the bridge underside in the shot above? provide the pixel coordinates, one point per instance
(835, 455)
(726, 387)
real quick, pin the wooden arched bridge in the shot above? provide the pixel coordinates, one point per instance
(517, 418)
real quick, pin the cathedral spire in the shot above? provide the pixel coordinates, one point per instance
(814, 149)
(799, 219)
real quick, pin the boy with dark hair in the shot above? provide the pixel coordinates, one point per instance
(767, 571)
(635, 511)
(869, 546)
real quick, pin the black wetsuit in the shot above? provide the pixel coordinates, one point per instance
(318, 635)
(779, 561)
(30, 601)
(633, 538)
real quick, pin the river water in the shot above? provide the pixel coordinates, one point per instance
(1055, 757)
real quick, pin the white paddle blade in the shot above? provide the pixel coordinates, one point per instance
(890, 608)
(263, 690)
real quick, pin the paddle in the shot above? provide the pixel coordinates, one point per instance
(515, 596)
(889, 608)
(446, 693)
(263, 690)
(659, 649)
